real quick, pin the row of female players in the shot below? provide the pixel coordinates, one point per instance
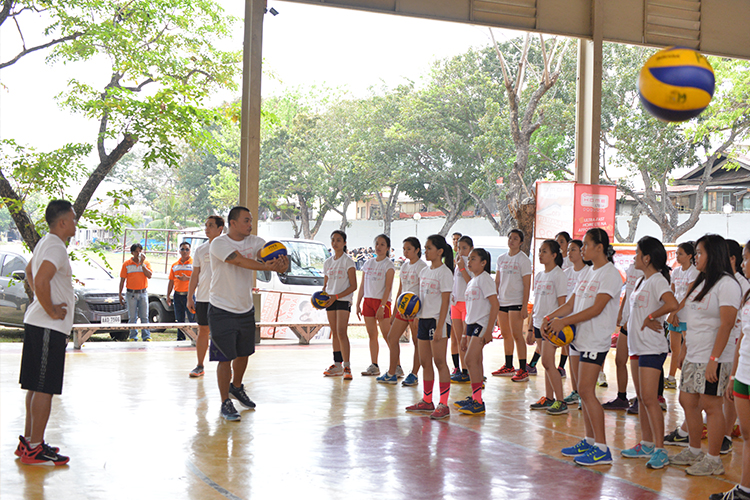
(709, 304)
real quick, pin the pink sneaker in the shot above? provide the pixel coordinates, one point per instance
(520, 376)
(421, 407)
(441, 412)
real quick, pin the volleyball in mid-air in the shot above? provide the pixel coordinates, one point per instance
(408, 305)
(563, 337)
(271, 250)
(676, 84)
(319, 300)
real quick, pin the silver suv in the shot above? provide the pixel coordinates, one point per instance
(95, 288)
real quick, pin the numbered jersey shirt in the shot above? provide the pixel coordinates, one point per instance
(409, 276)
(632, 275)
(511, 270)
(374, 275)
(595, 335)
(231, 286)
(432, 284)
(548, 286)
(743, 365)
(681, 279)
(337, 272)
(643, 301)
(704, 319)
(459, 283)
(478, 307)
(202, 261)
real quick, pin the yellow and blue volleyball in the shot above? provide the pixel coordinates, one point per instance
(408, 305)
(271, 250)
(319, 300)
(564, 336)
(676, 84)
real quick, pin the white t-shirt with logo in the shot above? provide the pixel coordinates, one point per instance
(409, 276)
(704, 318)
(52, 249)
(632, 275)
(459, 283)
(512, 270)
(728, 352)
(743, 365)
(595, 335)
(478, 307)
(573, 277)
(681, 280)
(337, 272)
(202, 261)
(548, 287)
(432, 284)
(374, 277)
(642, 302)
(231, 286)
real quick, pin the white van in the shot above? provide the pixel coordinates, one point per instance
(495, 245)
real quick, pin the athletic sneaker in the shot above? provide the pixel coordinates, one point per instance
(658, 460)
(736, 431)
(334, 371)
(442, 411)
(504, 371)
(372, 371)
(726, 446)
(460, 378)
(455, 371)
(388, 379)
(616, 404)
(43, 454)
(670, 383)
(463, 402)
(572, 398)
(228, 411)
(410, 381)
(531, 369)
(399, 372)
(520, 376)
(579, 448)
(562, 372)
(240, 395)
(638, 451)
(347, 373)
(663, 403)
(558, 408)
(674, 439)
(23, 446)
(543, 403)
(734, 494)
(421, 407)
(473, 408)
(706, 467)
(594, 456)
(633, 408)
(602, 380)
(197, 372)
(686, 457)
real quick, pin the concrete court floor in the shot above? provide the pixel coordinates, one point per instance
(136, 427)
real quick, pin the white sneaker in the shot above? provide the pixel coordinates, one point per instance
(602, 381)
(372, 371)
(399, 372)
(706, 467)
(334, 371)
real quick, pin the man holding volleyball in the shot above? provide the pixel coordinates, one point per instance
(231, 315)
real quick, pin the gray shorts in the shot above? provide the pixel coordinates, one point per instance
(693, 379)
(232, 334)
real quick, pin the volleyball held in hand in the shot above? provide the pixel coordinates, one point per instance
(676, 84)
(563, 337)
(271, 250)
(408, 305)
(319, 300)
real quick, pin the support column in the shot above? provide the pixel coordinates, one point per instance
(589, 101)
(250, 125)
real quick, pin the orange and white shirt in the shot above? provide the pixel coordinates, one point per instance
(133, 274)
(181, 268)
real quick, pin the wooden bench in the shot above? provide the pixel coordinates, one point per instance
(304, 331)
(83, 331)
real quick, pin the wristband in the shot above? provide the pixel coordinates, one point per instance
(546, 318)
(712, 358)
(336, 297)
(650, 317)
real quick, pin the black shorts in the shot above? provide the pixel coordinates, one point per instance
(201, 313)
(232, 334)
(426, 329)
(474, 330)
(43, 360)
(596, 358)
(624, 330)
(340, 305)
(505, 309)
(538, 333)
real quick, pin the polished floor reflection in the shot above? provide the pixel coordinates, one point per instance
(136, 427)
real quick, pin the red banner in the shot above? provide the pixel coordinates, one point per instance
(594, 207)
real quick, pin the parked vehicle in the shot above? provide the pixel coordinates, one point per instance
(495, 245)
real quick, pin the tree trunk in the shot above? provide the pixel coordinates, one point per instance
(632, 226)
(304, 216)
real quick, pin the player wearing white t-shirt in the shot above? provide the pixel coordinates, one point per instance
(461, 277)
(200, 287)
(481, 311)
(513, 280)
(435, 285)
(563, 239)
(593, 310)
(573, 273)
(409, 282)
(47, 323)
(377, 280)
(231, 315)
(649, 302)
(683, 277)
(340, 282)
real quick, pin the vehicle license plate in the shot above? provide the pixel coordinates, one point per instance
(111, 319)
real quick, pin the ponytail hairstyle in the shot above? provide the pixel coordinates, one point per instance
(735, 250)
(747, 294)
(554, 247)
(439, 242)
(717, 264)
(467, 240)
(579, 244)
(485, 256)
(516, 231)
(600, 237)
(343, 235)
(653, 248)
(689, 248)
(414, 241)
(387, 243)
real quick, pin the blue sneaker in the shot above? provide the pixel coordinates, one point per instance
(387, 379)
(594, 456)
(473, 408)
(463, 402)
(658, 460)
(638, 451)
(578, 449)
(410, 381)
